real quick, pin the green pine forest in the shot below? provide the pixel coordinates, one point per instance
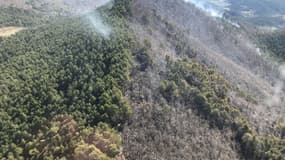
(57, 82)
(274, 43)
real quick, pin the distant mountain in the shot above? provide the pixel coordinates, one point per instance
(58, 6)
(259, 12)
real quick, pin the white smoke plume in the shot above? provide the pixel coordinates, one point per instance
(276, 98)
(97, 21)
(94, 18)
(215, 8)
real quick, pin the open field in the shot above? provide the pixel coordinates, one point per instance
(8, 31)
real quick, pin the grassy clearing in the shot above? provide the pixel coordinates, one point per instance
(8, 31)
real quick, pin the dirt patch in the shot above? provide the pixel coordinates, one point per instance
(15, 3)
(8, 31)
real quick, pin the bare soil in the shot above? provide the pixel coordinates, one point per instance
(8, 31)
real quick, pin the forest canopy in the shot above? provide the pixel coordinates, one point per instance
(274, 43)
(56, 80)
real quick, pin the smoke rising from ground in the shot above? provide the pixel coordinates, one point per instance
(87, 8)
(93, 17)
(276, 98)
(214, 8)
(97, 22)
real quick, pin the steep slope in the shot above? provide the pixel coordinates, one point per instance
(175, 30)
(197, 85)
(165, 131)
(175, 25)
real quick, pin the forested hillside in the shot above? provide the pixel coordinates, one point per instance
(136, 80)
(60, 80)
(274, 43)
(194, 84)
(200, 94)
(19, 17)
